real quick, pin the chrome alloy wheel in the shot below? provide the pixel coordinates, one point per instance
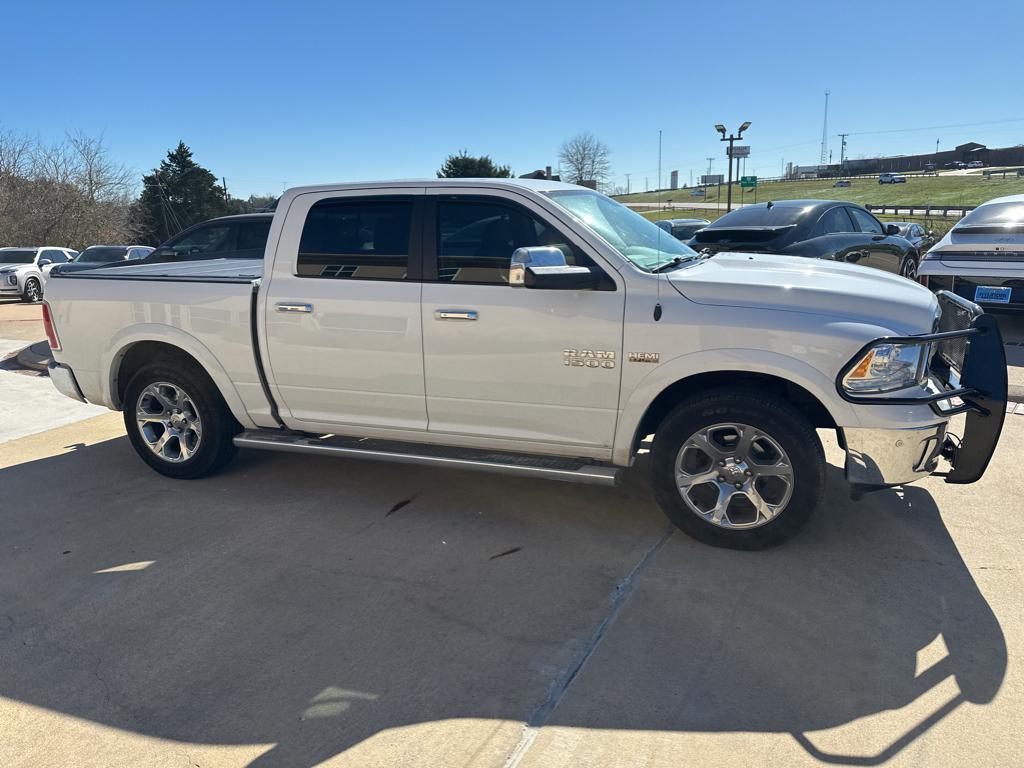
(32, 291)
(169, 422)
(910, 269)
(734, 476)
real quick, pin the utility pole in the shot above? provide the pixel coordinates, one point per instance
(842, 149)
(224, 182)
(627, 183)
(731, 138)
(824, 134)
(647, 184)
(659, 160)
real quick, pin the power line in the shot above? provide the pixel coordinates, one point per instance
(939, 127)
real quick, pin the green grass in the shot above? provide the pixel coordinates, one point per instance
(924, 190)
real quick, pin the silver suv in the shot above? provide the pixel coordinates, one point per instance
(23, 271)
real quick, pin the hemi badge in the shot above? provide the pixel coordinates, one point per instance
(643, 357)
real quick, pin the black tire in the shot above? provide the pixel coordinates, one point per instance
(781, 423)
(214, 448)
(908, 268)
(33, 291)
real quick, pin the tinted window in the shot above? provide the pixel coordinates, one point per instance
(475, 240)
(761, 216)
(866, 221)
(22, 256)
(98, 254)
(345, 238)
(55, 256)
(213, 238)
(252, 236)
(139, 253)
(835, 220)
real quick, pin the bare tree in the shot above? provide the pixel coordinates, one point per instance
(69, 193)
(584, 158)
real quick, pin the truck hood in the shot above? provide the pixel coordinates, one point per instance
(831, 289)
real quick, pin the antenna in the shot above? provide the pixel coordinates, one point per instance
(824, 134)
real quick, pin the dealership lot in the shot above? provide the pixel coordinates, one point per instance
(294, 610)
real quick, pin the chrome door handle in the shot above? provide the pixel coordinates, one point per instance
(285, 306)
(455, 314)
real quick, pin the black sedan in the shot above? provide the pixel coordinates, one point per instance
(921, 238)
(821, 229)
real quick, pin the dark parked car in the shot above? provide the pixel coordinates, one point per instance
(921, 238)
(229, 237)
(682, 229)
(104, 255)
(822, 229)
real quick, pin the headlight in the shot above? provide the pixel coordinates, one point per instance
(887, 367)
(12, 279)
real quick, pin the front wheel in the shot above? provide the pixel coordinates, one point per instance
(33, 291)
(738, 469)
(177, 420)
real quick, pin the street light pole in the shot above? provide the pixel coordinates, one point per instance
(731, 138)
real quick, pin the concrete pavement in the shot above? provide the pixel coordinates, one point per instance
(295, 611)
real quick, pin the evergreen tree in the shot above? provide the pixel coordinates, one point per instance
(466, 166)
(177, 195)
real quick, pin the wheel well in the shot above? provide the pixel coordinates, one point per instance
(144, 352)
(796, 395)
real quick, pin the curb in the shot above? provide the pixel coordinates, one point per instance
(36, 356)
(1015, 393)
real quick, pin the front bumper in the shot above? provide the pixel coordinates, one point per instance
(968, 373)
(880, 458)
(63, 379)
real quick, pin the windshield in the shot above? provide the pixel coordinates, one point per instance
(96, 254)
(639, 240)
(17, 257)
(996, 218)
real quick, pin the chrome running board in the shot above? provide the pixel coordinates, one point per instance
(568, 470)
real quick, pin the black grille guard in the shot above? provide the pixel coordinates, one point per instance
(974, 358)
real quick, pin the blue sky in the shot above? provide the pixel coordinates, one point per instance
(304, 92)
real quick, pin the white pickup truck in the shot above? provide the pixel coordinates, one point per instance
(537, 329)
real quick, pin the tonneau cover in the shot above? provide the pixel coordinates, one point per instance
(219, 270)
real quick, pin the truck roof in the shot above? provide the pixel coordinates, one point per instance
(537, 185)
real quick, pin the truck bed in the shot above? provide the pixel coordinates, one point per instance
(102, 313)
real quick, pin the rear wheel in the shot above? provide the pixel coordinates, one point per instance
(738, 469)
(33, 291)
(177, 421)
(909, 267)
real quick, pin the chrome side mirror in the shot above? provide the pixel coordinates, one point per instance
(537, 256)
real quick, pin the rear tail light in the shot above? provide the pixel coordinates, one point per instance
(923, 280)
(51, 332)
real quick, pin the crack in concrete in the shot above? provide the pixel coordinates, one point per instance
(560, 685)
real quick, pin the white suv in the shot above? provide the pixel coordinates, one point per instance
(23, 271)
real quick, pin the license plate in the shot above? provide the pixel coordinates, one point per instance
(992, 294)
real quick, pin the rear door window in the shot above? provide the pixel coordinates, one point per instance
(834, 221)
(865, 221)
(252, 236)
(353, 239)
(208, 240)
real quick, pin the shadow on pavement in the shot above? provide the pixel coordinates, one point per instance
(299, 601)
